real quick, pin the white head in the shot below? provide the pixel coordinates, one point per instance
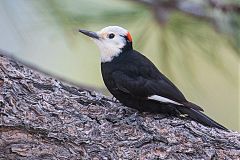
(110, 40)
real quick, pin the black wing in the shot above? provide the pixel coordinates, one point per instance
(143, 87)
(146, 80)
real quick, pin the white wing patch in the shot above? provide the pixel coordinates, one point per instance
(163, 99)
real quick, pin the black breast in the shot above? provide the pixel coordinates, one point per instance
(135, 65)
(126, 62)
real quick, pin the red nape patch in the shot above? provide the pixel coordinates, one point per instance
(129, 37)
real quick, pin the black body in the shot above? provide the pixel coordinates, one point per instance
(132, 78)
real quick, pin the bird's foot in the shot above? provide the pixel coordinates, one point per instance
(134, 117)
(114, 99)
(161, 116)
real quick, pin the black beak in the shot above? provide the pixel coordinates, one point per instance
(89, 33)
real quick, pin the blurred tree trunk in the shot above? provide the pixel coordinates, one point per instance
(43, 118)
(197, 9)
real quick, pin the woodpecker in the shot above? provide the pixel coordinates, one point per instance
(136, 82)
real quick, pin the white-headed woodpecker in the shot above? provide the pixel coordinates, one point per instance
(136, 82)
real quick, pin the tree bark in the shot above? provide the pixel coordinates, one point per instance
(44, 118)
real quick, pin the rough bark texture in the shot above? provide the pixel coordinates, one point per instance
(43, 118)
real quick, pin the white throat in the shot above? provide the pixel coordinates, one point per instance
(108, 51)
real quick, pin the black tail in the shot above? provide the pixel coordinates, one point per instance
(201, 118)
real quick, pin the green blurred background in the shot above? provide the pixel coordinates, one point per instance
(195, 43)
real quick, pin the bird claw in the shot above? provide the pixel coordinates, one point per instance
(161, 116)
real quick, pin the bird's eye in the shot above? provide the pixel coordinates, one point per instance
(111, 36)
